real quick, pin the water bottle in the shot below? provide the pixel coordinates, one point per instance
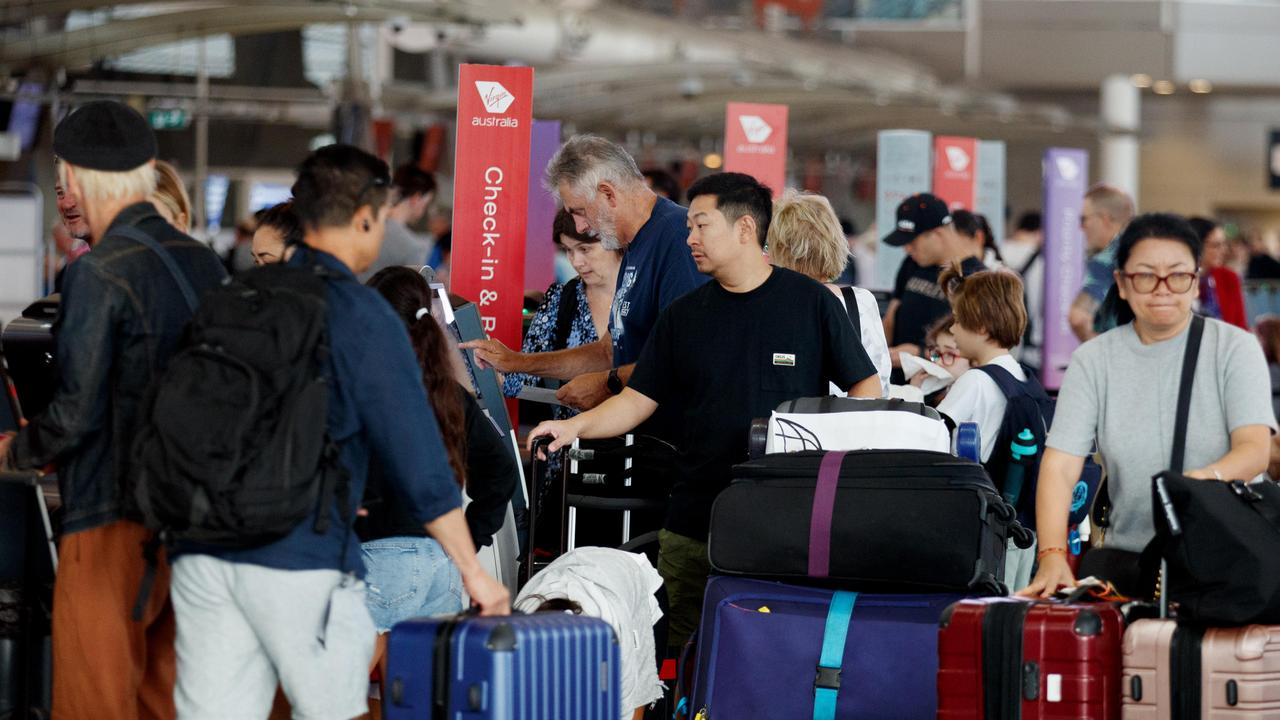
(1021, 450)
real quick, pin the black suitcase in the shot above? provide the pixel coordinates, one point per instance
(878, 520)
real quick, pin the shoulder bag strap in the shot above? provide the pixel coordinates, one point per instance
(851, 307)
(826, 683)
(566, 311)
(1156, 547)
(166, 257)
(1189, 359)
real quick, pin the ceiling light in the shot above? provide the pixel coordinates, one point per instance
(1201, 87)
(1164, 87)
(1140, 80)
(713, 161)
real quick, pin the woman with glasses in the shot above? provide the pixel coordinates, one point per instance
(1120, 391)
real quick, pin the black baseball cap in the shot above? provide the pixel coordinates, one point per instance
(918, 214)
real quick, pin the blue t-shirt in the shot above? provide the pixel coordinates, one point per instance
(377, 408)
(656, 269)
(1098, 272)
(1098, 281)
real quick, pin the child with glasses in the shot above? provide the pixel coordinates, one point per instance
(940, 349)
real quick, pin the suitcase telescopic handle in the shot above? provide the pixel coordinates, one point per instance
(540, 445)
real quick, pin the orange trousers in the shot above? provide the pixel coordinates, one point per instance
(106, 665)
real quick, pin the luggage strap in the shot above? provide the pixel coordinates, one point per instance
(826, 684)
(824, 505)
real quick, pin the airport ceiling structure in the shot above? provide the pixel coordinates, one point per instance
(622, 67)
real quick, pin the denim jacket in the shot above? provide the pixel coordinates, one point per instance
(120, 319)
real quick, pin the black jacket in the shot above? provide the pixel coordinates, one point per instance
(491, 481)
(120, 320)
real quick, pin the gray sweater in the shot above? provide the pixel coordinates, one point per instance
(1123, 394)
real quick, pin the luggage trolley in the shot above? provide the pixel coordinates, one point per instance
(602, 475)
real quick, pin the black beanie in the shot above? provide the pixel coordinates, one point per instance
(105, 135)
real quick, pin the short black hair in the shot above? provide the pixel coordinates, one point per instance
(410, 180)
(1204, 227)
(738, 195)
(334, 182)
(663, 182)
(284, 220)
(1029, 221)
(965, 223)
(1158, 226)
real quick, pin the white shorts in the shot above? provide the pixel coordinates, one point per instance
(1018, 563)
(242, 628)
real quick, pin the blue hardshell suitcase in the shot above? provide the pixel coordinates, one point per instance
(520, 667)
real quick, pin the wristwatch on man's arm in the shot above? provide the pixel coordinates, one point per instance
(614, 383)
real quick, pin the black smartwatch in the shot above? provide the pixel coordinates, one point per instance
(614, 383)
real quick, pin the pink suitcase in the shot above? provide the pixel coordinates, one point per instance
(1174, 672)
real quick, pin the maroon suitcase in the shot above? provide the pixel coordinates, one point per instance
(1011, 659)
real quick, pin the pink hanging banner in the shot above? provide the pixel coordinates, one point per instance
(755, 142)
(491, 194)
(955, 161)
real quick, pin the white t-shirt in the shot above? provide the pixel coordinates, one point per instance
(975, 397)
(873, 339)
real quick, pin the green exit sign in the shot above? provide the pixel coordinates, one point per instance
(169, 119)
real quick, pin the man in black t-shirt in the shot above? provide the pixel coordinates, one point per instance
(725, 353)
(924, 227)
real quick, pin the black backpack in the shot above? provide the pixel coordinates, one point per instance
(1020, 445)
(233, 449)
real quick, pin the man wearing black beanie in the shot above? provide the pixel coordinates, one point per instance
(123, 308)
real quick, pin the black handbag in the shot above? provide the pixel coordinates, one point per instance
(1220, 540)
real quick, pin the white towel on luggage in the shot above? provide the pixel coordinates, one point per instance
(617, 587)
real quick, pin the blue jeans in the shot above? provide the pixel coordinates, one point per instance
(409, 577)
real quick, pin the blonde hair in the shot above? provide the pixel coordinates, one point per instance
(805, 236)
(170, 192)
(106, 185)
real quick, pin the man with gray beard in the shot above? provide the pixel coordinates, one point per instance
(599, 183)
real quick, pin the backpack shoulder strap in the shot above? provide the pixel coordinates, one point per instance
(1022, 271)
(1008, 384)
(566, 311)
(851, 307)
(166, 257)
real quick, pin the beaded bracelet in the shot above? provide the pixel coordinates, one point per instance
(1049, 551)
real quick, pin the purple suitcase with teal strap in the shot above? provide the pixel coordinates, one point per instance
(769, 650)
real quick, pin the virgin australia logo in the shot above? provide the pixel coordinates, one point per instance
(957, 158)
(1068, 169)
(496, 98)
(755, 127)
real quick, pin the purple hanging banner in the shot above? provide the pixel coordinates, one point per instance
(1066, 176)
(539, 252)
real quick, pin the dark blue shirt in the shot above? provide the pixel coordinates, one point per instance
(656, 269)
(377, 408)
